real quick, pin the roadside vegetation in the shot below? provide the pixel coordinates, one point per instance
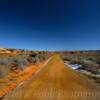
(88, 62)
(19, 62)
(18, 65)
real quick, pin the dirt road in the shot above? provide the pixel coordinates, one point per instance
(56, 81)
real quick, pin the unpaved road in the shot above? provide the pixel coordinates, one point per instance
(56, 81)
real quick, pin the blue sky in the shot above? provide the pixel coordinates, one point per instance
(50, 24)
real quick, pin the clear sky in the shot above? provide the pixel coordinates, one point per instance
(50, 24)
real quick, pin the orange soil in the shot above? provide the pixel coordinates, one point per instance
(22, 76)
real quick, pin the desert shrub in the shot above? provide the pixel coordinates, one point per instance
(43, 57)
(33, 55)
(90, 58)
(66, 59)
(13, 66)
(3, 71)
(76, 62)
(30, 60)
(19, 62)
(97, 61)
(4, 61)
(1, 74)
(90, 66)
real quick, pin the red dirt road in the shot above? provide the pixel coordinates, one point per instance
(56, 81)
